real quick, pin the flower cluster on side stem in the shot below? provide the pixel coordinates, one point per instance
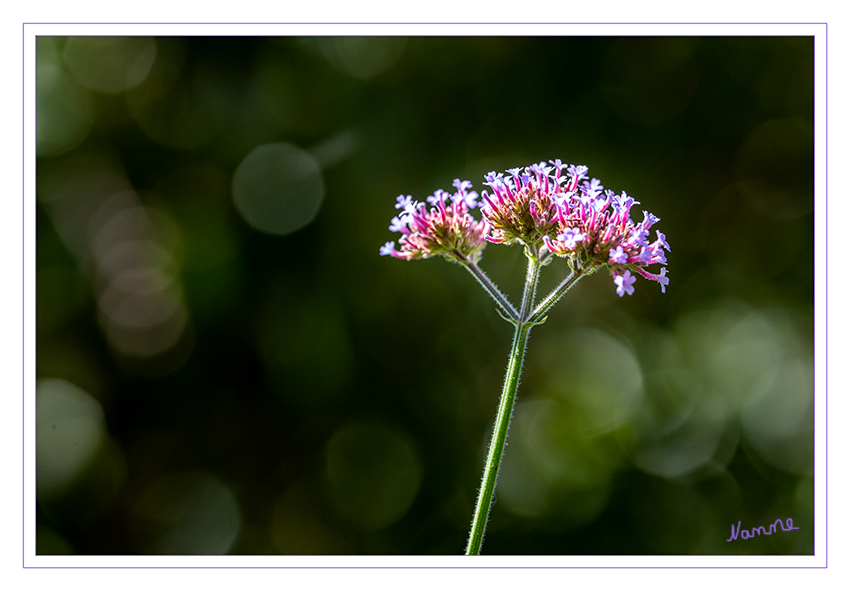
(594, 228)
(446, 228)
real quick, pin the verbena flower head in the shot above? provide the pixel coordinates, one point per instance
(521, 206)
(445, 229)
(550, 208)
(594, 228)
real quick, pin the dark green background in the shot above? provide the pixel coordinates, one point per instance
(322, 399)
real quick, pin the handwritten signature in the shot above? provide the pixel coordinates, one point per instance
(758, 531)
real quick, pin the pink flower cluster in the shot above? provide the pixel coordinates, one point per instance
(521, 206)
(594, 228)
(446, 229)
(549, 209)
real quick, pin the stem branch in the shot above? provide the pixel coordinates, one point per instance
(550, 300)
(490, 287)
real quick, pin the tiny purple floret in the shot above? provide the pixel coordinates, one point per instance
(624, 283)
(439, 195)
(399, 223)
(618, 256)
(388, 248)
(571, 237)
(403, 201)
(461, 186)
(662, 239)
(663, 279)
(592, 188)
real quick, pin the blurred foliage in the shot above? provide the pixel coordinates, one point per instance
(226, 365)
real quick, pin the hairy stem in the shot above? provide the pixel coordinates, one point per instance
(490, 287)
(506, 407)
(550, 300)
(530, 290)
(556, 294)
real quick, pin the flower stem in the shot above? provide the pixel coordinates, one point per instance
(530, 289)
(556, 294)
(550, 300)
(490, 287)
(506, 406)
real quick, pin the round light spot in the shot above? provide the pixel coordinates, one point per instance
(366, 57)
(179, 106)
(689, 447)
(109, 64)
(63, 111)
(186, 513)
(756, 366)
(780, 423)
(374, 474)
(595, 372)
(784, 405)
(139, 297)
(552, 468)
(278, 188)
(69, 431)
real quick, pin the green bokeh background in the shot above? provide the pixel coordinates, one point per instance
(207, 387)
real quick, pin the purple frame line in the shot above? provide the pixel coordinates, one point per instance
(826, 318)
(429, 567)
(425, 23)
(826, 292)
(23, 295)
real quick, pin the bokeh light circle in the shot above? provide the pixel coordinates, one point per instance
(278, 188)
(64, 112)
(596, 373)
(70, 429)
(374, 473)
(366, 57)
(110, 64)
(187, 513)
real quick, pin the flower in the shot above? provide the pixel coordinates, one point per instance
(617, 256)
(388, 248)
(592, 189)
(446, 229)
(624, 283)
(548, 207)
(522, 206)
(403, 202)
(469, 197)
(660, 278)
(609, 236)
(399, 223)
(570, 238)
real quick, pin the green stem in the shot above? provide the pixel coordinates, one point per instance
(490, 287)
(530, 289)
(506, 406)
(550, 300)
(539, 313)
